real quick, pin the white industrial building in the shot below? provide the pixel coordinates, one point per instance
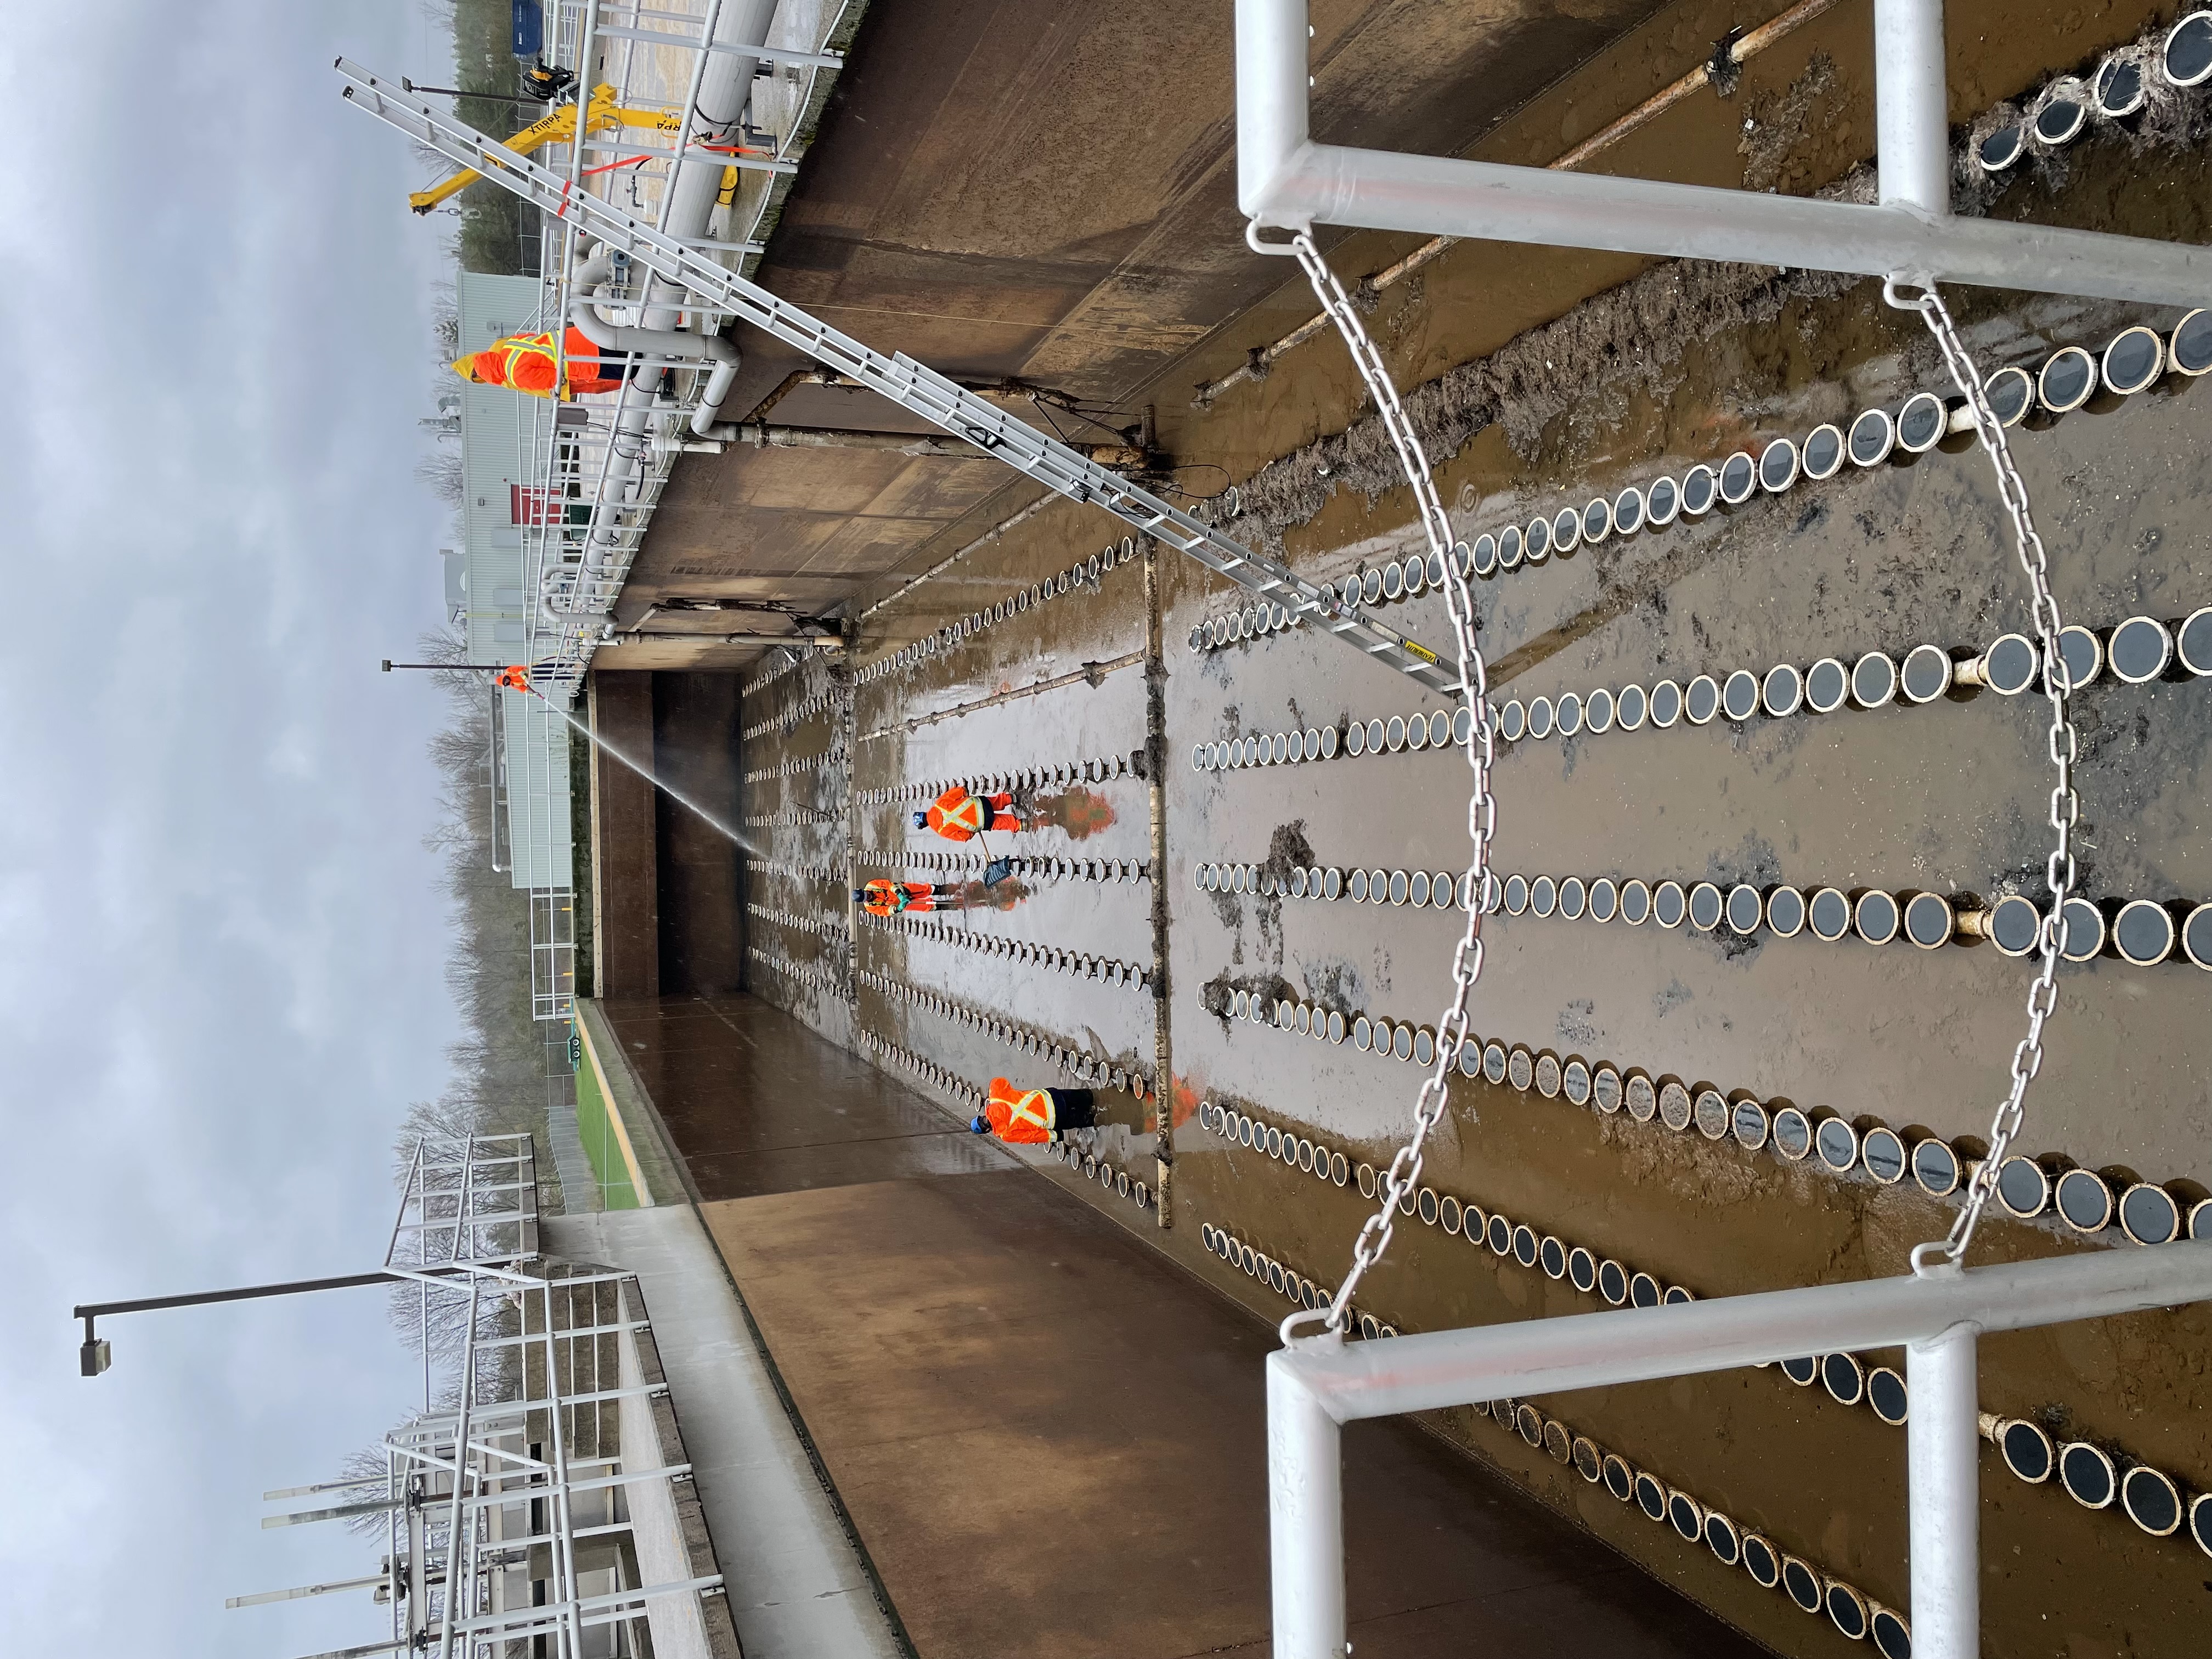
(505, 441)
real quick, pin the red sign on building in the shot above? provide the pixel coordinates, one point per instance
(531, 505)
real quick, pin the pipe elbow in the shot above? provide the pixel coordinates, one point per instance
(583, 311)
(1284, 198)
(720, 382)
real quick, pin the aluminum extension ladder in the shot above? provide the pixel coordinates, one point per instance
(911, 386)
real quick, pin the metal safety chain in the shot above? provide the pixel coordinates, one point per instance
(1404, 1174)
(2065, 805)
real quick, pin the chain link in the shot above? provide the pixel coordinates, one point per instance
(1404, 1174)
(2065, 806)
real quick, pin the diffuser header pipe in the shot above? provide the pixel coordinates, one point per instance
(1284, 180)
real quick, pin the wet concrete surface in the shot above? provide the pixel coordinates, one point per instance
(813, 1118)
(1054, 1443)
(1946, 797)
(1050, 1440)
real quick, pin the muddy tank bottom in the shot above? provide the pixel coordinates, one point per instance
(1771, 784)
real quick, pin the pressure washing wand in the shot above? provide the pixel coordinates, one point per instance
(513, 676)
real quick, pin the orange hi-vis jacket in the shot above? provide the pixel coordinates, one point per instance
(885, 897)
(525, 361)
(958, 816)
(1021, 1116)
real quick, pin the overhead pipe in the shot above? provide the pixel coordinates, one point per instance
(670, 345)
(721, 91)
(759, 434)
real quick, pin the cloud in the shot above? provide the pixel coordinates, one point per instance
(225, 936)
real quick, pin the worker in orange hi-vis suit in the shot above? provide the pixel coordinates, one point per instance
(525, 361)
(958, 816)
(1033, 1117)
(884, 897)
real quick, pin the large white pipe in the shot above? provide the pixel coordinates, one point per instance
(1284, 180)
(724, 88)
(1943, 1454)
(668, 343)
(560, 588)
(725, 83)
(1271, 94)
(1912, 107)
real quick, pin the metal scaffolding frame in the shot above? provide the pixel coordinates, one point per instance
(489, 1490)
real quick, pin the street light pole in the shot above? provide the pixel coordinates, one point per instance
(463, 92)
(95, 1356)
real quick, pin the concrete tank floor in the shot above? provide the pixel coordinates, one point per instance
(1899, 1047)
(1050, 1438)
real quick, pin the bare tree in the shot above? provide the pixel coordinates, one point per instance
(497, 1078)
(440, 468)
(445, 318)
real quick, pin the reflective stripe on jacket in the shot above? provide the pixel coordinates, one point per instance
(1023, 1116)
(886, 896)
(957, 815)
(525, 361)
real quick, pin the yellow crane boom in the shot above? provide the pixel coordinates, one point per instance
(555, 127)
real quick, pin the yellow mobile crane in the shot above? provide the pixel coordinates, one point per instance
(559, 126)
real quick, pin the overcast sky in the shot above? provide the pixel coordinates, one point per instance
(223, 939)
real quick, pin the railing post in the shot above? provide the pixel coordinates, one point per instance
(1305, 1516)
(1944, 1456)
(1271, 91)
(1912, 105)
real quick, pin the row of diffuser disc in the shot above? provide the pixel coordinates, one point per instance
(2086, 1201)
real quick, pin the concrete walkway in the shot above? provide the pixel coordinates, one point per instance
(1050, 1438)
(797, 1587)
